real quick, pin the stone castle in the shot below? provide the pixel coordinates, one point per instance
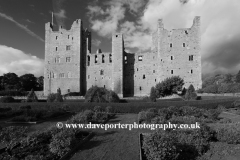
(70, 65)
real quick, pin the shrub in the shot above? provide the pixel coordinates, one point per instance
(149, 116)
(169, 86)
(152, 110)
(198, 98)
(31, 97)
(62, 142)
(65, 107)
(141, 116)
(192, 111)
(212, 114)
(88, 115)
(229, 133)
(5, 109)
(78, 118)
(191, 93)
(100, 116)
(11, 135)
(51, 97)
(25, 107)
(6, 99)
(160, 146)
(109, 109)
(97, 109)
(13, 93)
(153, 95)
(211, 89)
(165, 113)
(101, 95)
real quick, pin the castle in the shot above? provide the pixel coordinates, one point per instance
(70, 65)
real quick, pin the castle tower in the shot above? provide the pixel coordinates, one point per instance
(117, 71)
(64, 59)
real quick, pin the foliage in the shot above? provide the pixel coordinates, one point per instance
(160, 146)
(25, 107)
(55, 97)
(13, 93)
(101, 95)
(169, 86)
(229, 133)
(238, 77)
(97, 109)
(63, 142)
(5, 109)
(28, 82)
(153, 95)
(190, 93)
(6, 99)
(88, 115)
(211, 89)
(31, 97)
(109, 109)
(12, 135)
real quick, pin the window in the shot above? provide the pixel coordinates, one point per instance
(191, 58)
(171, 71)
(68, 59)
(57, 60)
(140, 88)
(186, 32)
(155, 80)
(183, 44)
(110, 58)
(69, 74)
(144, 76)
(56, 48)
(88, 61)
(101, 72)
(104, 86)
(153, 71)
(171, 45)
(116, 35)
(72, 38)
(96, 58)
(68, 90)
(125, 59)
(88, 76)
(56, 37)
(103, 61)
(61, 75)
(191, 71)
(68, 47)
(139, 58)
(171, 57)
(68, 36)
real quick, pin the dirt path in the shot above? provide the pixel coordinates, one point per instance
(113, 144)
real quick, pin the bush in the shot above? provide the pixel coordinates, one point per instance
(88, 115)
(198, 98)
(13, 93)
(78, 118)
(153, 95)
(65, 107)
(55, 97)
(141, 116)
(97, 109)
(212, 114)
(149, 116)
(31, 97)
(109, 109)
(169, 86)
(25, 107)
(100, 116)
(160, 146)
(211, 89)
(101, 95)
(10, 136)
(5, 109)
(6, 99)
(229, 133)
(191, 93)
(63, 142)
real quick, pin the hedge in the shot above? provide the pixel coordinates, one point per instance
(134, 107)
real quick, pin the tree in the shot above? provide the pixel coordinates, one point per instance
(228, 78)
(28, 82)
(169, 86)
(153, 95)
(208, 81)
(40, 83)
(238, 77)
(31, 97)
(191, 93)
(1, 83)
(11, 81)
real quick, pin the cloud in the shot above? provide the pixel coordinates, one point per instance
(219, 28)
(105, 20)
(27, 20)
(59, 12)
(14, 60)
(2, 15)
(96, 42)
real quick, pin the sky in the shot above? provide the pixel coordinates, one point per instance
(22, 28)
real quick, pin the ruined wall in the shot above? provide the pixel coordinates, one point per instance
(64, 59)
(99, 70)
(179, 53)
